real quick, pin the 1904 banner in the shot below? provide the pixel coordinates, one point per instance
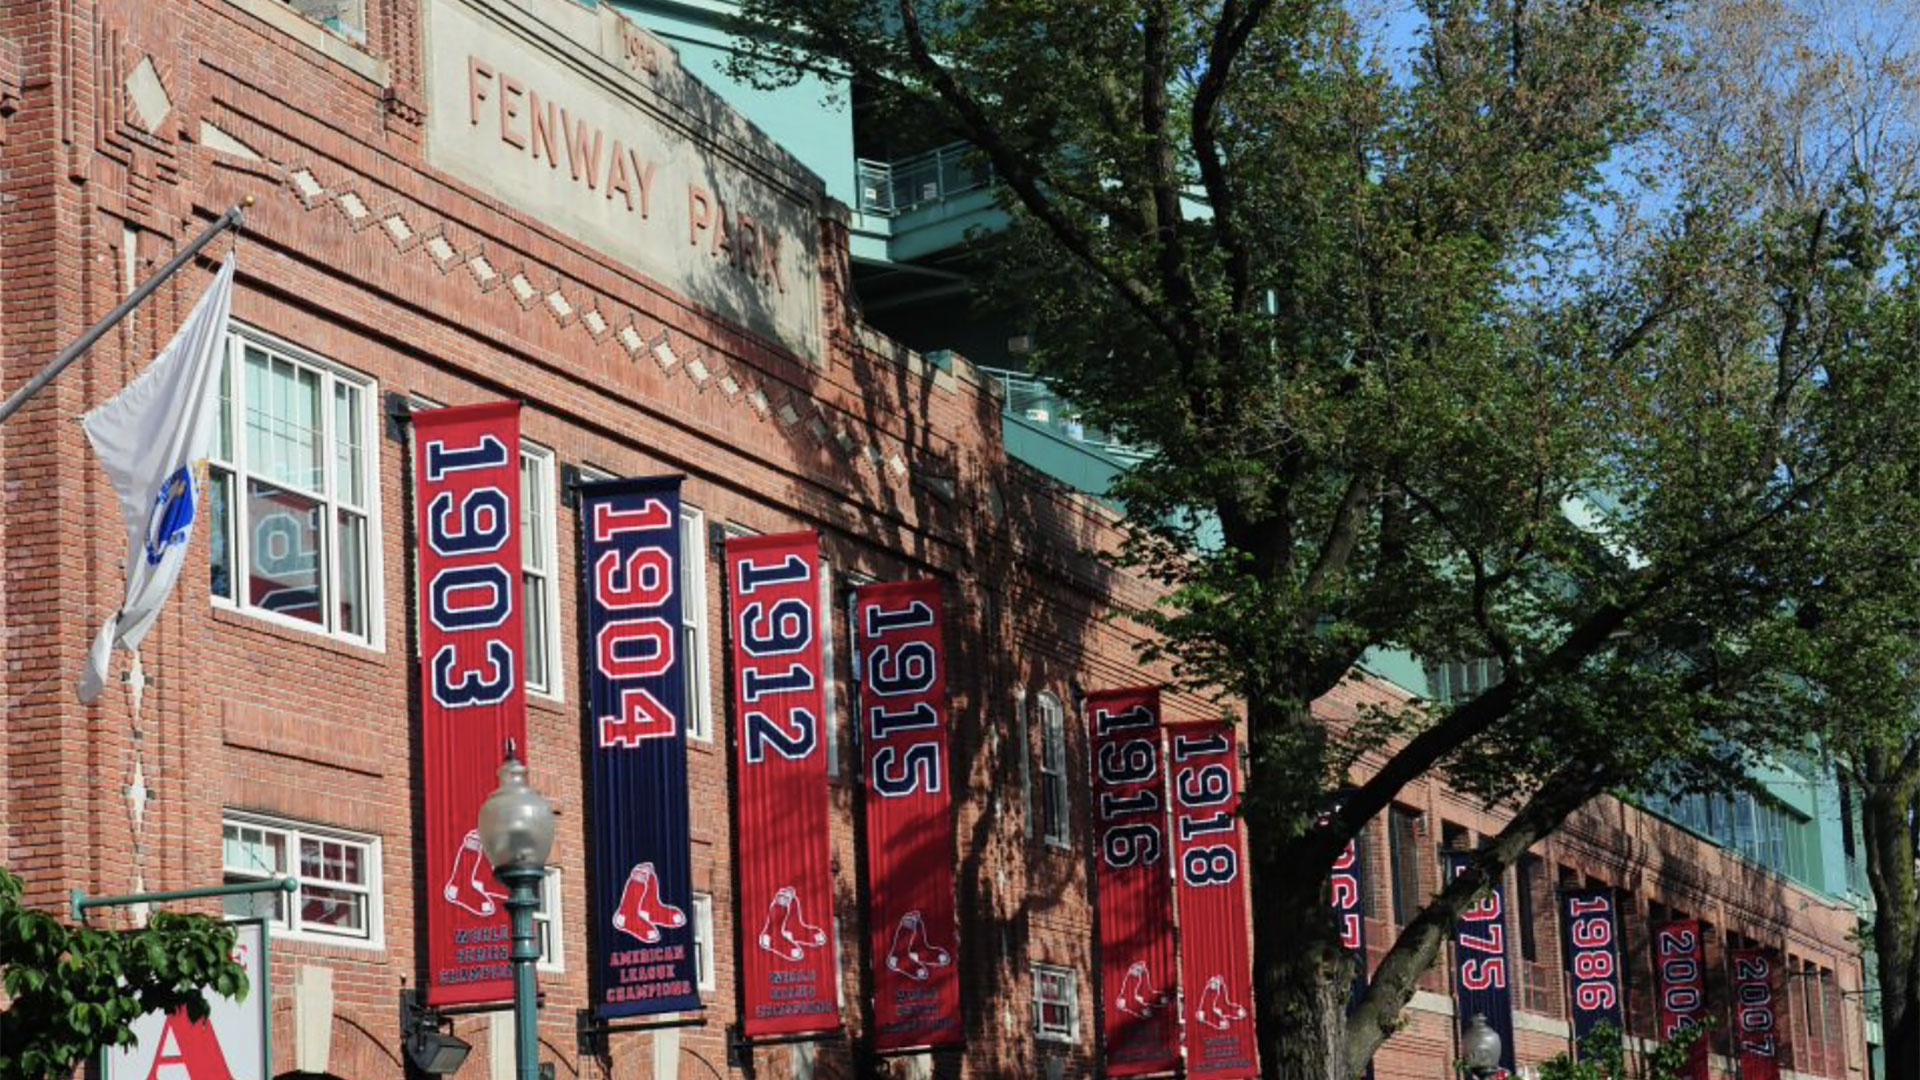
(1209, 852)
(910, 843)
(1590, 940)
(1135, 912)
(789, 985)
(1680, 968)
(1480, 964)
(467, 495)
(637, 747)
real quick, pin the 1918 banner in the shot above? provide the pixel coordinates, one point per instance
(1209, 854)
(1680, 971)
(467, 496)
(1480, 964)
(1755, 1016)
(1590, 941)
(1138, 1000)
(637, 747)
(785, 906)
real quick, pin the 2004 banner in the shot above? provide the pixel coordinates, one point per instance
(1209, 852)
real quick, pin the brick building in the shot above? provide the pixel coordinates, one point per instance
(667, 290)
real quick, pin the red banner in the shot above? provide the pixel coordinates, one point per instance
(1680, 972)
(788, 981)
(1138, 999)
(467, 498)
(910, 843)
(1209, 851)
(1755, 1016)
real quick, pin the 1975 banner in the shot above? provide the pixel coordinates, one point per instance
(787, 976)
(903, 729)
(1480, 964)
(1209, 852)
(467, 497)
(1140, 1017)
(637, 747)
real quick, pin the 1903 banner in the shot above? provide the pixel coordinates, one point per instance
(899, 628)
(789, 985)
(637, 747)
(1209, 852)
(1140, 1018)
(1481, 965)
(1755, 1016)
(1680, 968)
(1590, 941)
(467, 497)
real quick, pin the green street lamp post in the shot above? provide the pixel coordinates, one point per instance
(516, 832)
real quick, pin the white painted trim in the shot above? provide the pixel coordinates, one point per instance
(278, 15)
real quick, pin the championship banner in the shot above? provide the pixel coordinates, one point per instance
(903, 711)
(637, 747)
(788, 982)
(1755, 1017)
(467, 497)
(1590, 942)
(1346, 890)
(1209, 851)
(1681, 979)
(1140, 1020)
(1480, 964)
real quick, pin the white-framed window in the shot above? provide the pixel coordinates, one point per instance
(547, 924)
(1056, 823)
(1023, 741)
(705, 963)
(693, 622)
(296, 518)
(1056, 1004)
(540, 592)
(337, 873)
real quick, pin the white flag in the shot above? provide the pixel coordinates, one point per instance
(151, 437)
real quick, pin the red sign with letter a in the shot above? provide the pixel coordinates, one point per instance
(788, 979)
(1203, 775)
(467, 496)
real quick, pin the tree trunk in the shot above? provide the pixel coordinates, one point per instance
(1888, 828)
(1302, 977)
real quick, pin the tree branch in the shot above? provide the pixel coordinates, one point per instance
(1230, 35)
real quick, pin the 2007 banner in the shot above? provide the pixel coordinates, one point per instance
(1755, 1015)
(1209, 852)
(467, 497)
(1138, 1004)
(1480, 964)
(903, 729)
(1680, 968)
(785, 903)
(637, 747)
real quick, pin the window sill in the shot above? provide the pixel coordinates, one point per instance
(326, 944)
(278, 15)
(243, 619)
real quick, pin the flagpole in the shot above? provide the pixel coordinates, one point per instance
(73, 352)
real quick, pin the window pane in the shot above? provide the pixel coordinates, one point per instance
(260, 905)
(353, 574)
(533, 511)
(284, 530)
(333, 909)
(283, 422)
(349, 456)
(220, 533)
(223, 430)
(534, 589)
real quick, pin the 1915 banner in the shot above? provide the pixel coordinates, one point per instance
(1755, 1017)
(1209, 852)
(1680, 968)
(467, 496)
(788, 980)
(1480, 965)
(903, 732)
(1140, 1019)
(637, 747)
(1590, 941)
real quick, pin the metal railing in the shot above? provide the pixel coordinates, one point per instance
(890, 188)
(1033, 399)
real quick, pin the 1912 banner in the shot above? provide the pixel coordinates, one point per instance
(789, 985)
(1590, 941)
(1480, 964)
(1140, 1019)
(1680, 968)
(1209, 852)
(903, 732)
(637, 747)
(467, 495)
(1755, 1016)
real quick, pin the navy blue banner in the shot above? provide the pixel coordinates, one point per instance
(637, 740)
(1590, 941)
(1480, 967)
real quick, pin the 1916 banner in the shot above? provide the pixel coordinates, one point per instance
(1680, 969)
(1140, 1019)
(467, 495)
(637, 747)
(1480, 964)
(1209, 851)
(1590, 941)
(903, 732)
(788, 980)
(1755, 1017)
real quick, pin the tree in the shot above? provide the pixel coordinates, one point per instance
(73, 991)
(1423, 367)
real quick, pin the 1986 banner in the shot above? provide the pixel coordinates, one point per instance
(788, 979)
(903, 732)
(637, 746)
(1480, 964)
(1138, 1002)
(467, 497)
(1755, 1016)
(1209, 852)
(1590, 939)
(1679, 966)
